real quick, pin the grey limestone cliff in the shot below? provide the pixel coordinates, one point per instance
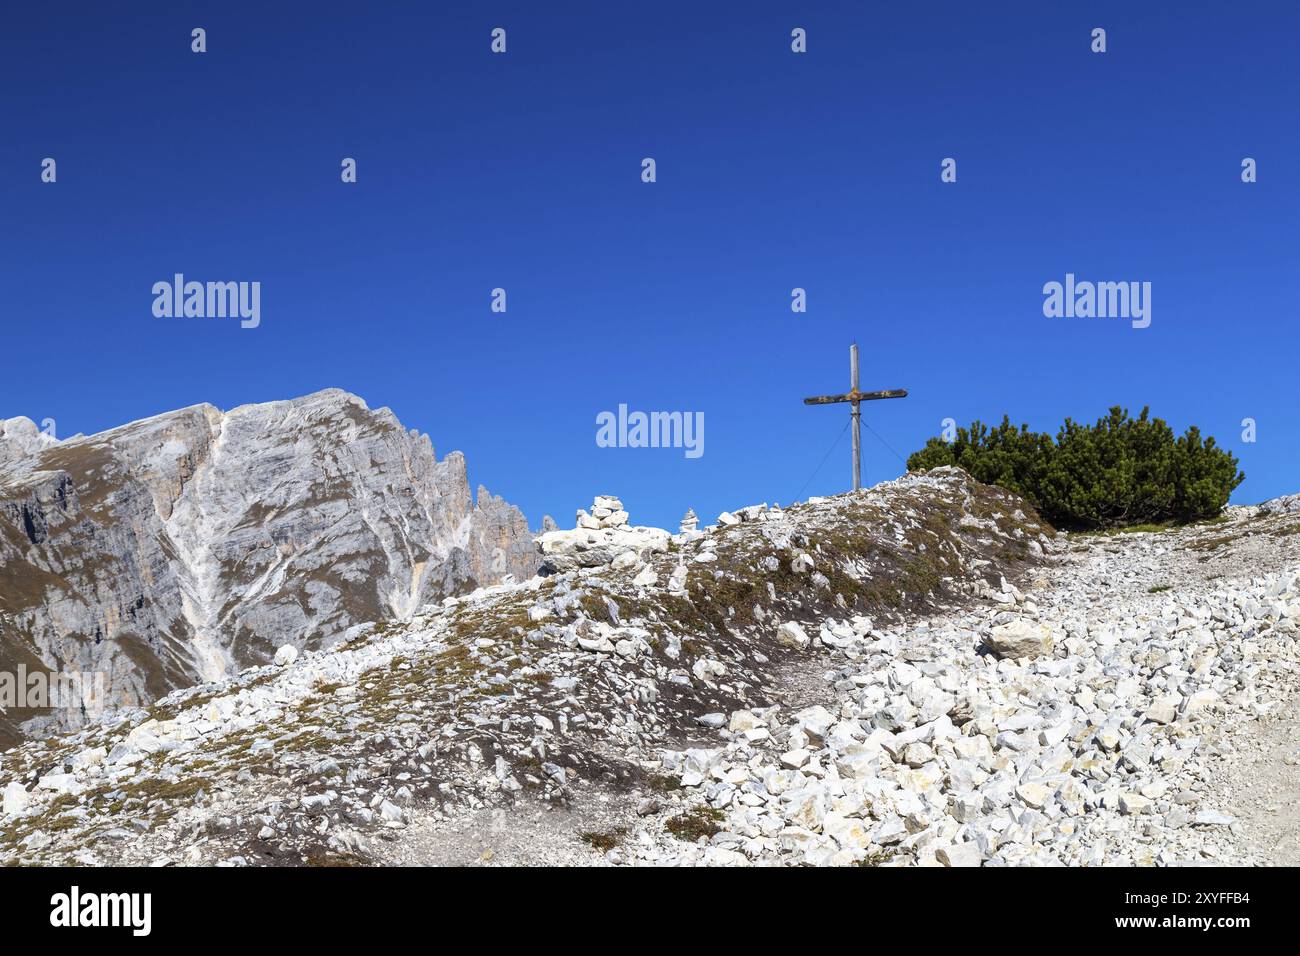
(185, 546)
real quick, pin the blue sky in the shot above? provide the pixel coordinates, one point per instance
(775, 171)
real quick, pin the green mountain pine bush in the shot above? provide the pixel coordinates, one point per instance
(1119, 472)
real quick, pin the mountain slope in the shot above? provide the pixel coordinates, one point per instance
(183, 547)
(919, 673)
(536, 690)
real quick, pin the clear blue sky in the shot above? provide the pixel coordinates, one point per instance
(775, 170)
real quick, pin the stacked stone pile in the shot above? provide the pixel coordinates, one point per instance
(600, 538)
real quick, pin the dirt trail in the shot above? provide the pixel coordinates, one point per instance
(1259, 781)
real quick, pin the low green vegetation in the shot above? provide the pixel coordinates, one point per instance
(1122, 472)
(879, 857)
(693, 824)
(604, 841)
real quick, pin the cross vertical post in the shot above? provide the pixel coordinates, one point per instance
(855, 398)
(857, 417)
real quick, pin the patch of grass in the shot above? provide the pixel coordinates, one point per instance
(879, 857)
(662, 783)
(62, 823)
(56, 816)
(1148, 528)
(503, 622)
(154, 788)
(595, 608)
(1157, 589)
(693, 824)
(603, 841)
(529, 765)
(1213, 544)
(329, 858)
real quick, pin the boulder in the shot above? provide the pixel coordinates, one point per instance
(16, 799)
(1020, 638)
(960, 854)
(792, 635)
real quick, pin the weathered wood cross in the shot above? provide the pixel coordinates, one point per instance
(855, 397)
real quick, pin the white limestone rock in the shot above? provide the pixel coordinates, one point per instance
(960, 854)
(16, 798)
(1020, 638)
(793, 635)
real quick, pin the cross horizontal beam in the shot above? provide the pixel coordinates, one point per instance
(856, 396)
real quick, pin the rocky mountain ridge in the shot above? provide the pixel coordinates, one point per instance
(917, 674)
(184, 547)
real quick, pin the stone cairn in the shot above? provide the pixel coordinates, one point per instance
(690, 522)
(606, 512)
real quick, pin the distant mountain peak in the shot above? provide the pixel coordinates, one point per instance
(184, 546)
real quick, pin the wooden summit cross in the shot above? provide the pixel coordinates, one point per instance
(854, 397)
